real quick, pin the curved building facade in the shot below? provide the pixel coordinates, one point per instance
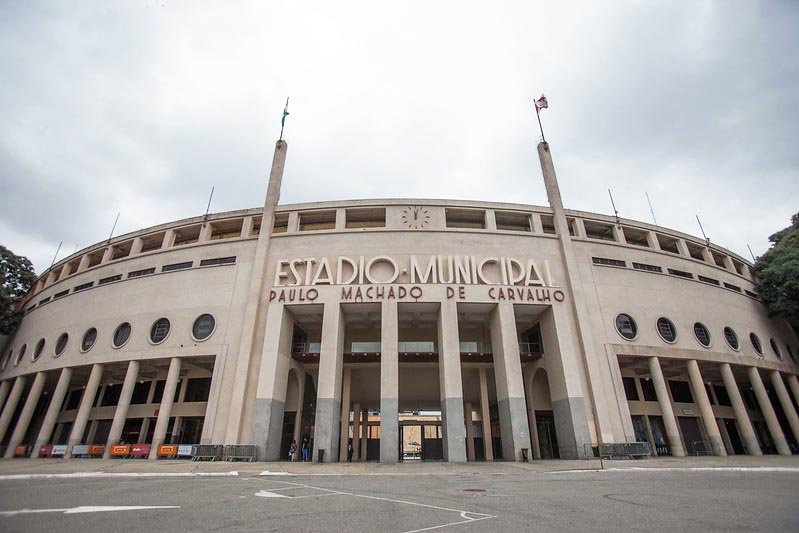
(408, 329)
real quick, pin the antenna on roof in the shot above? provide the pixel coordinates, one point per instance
(59, 249)
(703, 230)
(113, 228)
(754, 259)
(650, 208)
(208, 207)
(615, 212)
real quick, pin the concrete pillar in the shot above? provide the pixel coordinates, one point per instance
(666, 411)
(298, 408)
(107, 254)
(793, 383)
(531, 421)
(356, 432)
(145, 423)
(165, 408)
(510, 385)
(184, 384)
(121, 413)
(27, 413)
(136, 246)
(741, 416)
(785, 401)
(485, 416)
(365, 435)
(649, 435)
(469, 432)
(451, 385)
(56, 401)
(205, 232)
(709, 419)
(84, 409)
(768, 412)
(169, 238)
(344, 432)
(328, 398)
(389, 383)
(5, 386)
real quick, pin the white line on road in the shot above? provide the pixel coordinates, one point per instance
(684, 469)
(89, 509)
(267, 494)
(117, 474)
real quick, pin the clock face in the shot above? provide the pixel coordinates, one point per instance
(415, 217)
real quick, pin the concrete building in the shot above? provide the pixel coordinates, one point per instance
(431, 329)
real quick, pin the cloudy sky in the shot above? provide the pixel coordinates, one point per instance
(140, 107)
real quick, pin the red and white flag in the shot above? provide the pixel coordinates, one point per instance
(541, 103)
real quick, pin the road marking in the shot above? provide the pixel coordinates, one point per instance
(267, 494)
(89, 509)
(14, 477)
(684, 469)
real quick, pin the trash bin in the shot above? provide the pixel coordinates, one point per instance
(321, 456)
(525, 455)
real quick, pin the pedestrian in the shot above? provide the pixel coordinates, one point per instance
(305, 450)
(293, 451)
(349, 452)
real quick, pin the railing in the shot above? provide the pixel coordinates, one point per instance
(417, 346)
(701, 447)
(306, 347)
(530, 347)
(475, 347)
(365, 347)
(619, 450)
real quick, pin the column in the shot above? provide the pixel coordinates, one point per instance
(485, 416)
(121, 413)
(57, 400)
(27, 413)
(768, 412)
(785, 401)
(365, 435)
(328, 398)
(298, 408)
(709, 419)
(356, 432)
(469, 432)
(536, 445)
(165, 408)
(748, 436)
(145, 423)
(672, 433)
(793, 383)
(344, 432)
(84, 409)
(389, 383)
(5, 386)
(510, 385)
(11, 404)
(449, 374)
(184, 384)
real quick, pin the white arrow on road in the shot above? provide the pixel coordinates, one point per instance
(89, 509)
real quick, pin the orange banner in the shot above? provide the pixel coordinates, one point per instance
(167, 450)
(96, 449)
(119, 450)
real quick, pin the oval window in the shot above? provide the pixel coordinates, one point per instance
(756, 344)
(666, 329)
(121, 334)
(775, 348)
(37, 353)
(702, 334)
(89, 338)
(790, 352)
(20, 354)
(159, 331)
(203, 327)
(731, 337)
(61, 344)
(626, 326)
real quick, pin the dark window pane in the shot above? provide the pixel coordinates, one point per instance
(140, 391)
(681, 391)
(159, 391)
(629, 389)
(111, 396)
(722, 396)
(648, 388)
(198, 390)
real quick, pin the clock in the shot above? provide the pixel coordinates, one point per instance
(415, 217)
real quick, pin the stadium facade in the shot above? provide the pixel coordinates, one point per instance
(430, 329)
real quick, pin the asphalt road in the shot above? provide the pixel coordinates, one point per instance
(502, 502)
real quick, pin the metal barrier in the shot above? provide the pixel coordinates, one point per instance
(701, 447)
(207, 452)
(241, 452)
(620, 450)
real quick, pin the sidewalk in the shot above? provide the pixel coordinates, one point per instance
(14, 467)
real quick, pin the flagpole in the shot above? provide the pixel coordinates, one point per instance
(538, 115)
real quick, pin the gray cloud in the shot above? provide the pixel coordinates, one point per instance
(142, 107)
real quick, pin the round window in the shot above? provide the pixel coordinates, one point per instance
(203, 327)
(666, 329)
(702, 334)
(61, 344)
(756, 344)
(121, 334)
(159, 331)
(37, 353)
(731, 337)
(626, 326)
(775, 348)
(89, 338)
(20, 354)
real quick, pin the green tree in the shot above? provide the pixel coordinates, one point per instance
(16, 278)
(778, 273)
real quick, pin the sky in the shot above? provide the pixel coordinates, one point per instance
(140, 107)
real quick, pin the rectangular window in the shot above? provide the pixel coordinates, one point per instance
(648, 388)
(152, 242)
(60, 294)
(751, 294)
(42, 302)
(281, 224)
(695, 251)
(572, 227)
(681, 391)
(226, 229)
(722, 396)
(218, 261)
(29, 309)
(95, 258)
(184, 236)
(548, 224)
(709, 280)
(630, 390)
(598, 230)
(139, 273)
(733, 287)
(83, 286)
(648, 268)
(177, 266)
(709, 394)
(73, 400)
(668, 244)
(739, 267)
(110, 279)
(680, 273)
(608, 262)
(636, 237)
(466, 218)
(373, 217)
(159, 391)
(718, 259)
(140, 391)
(111, 396)
(317, 220)
(121, 250)
(197, 390)
(256, 225)
(509, 221)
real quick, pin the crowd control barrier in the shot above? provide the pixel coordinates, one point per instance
(119, 450)
(207, 452)
(621, 450)
(241, 452)
(167, 450)
(140, 450)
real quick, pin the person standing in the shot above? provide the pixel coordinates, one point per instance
(305, 450)
(293, 451)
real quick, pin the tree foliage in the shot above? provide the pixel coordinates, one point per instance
(16, 278)
(778, 273)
